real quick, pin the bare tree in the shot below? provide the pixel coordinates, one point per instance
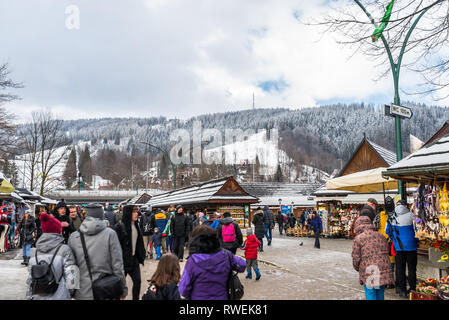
(356, 21)
(8, 141)
(42, 139)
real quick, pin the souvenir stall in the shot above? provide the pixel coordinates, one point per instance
(429, 167)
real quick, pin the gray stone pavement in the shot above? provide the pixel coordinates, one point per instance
(289, 272)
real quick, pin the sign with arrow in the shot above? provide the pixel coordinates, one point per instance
(395, 110)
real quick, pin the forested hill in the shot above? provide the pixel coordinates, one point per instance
(319, 136)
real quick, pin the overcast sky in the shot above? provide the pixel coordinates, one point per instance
(179, 58)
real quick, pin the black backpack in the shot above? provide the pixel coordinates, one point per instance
(43, 281)
(153, 293)
(234, 287)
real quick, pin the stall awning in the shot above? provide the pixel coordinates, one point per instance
(363, 182)
(428, 163)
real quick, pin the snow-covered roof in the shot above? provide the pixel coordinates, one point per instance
(298, 201)
(200, 193)
(387, 155)
(279, 189)
(430, 161)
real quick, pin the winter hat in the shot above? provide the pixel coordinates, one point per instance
(95, 210)
(249, 232)
(50, 224)
(178, 207)
(61, 204)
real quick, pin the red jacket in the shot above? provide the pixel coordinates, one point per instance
(250, 246)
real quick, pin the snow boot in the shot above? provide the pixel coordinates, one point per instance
(24, 260)
(249, 275)
(27, 259)
(258, 275)
(269, 242)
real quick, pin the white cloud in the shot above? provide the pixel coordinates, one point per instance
(181, 58)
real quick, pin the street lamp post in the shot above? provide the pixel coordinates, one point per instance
(395, 69)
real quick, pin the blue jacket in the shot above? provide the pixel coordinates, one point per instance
(316, 224)
(215, 224)
(160, 221)
(402, 229)
(157, 239)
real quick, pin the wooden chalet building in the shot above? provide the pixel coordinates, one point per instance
(368, 155)
(220, 195)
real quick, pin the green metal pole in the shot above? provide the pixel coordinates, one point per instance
(397, 122)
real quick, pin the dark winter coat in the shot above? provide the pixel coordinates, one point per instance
(157, 239)
(26, 230)
(268, 217)
(315, 224)
(168, 292)
(124, 234)
(206, 272)
(77, 222)
(280, 219)
(146, 225)
(370, 253)
(66, 231)
(179, 225)
(259, 229)
(251, 245)
(111, 217)
(238, 234)
(291, 220)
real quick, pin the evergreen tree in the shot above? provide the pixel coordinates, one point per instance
(70, 173)
(85, 165)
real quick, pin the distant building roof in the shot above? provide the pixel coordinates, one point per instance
(279, 189)
(224, 190)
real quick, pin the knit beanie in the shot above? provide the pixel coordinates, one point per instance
(249, 232)
(95, 210)
(50, 224)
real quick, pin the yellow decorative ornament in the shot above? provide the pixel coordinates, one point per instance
(444, 199)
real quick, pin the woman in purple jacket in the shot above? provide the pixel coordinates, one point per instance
(207, 269)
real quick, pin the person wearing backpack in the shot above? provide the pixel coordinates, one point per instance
(229, 233)
(207, 271)
(159, 220)
(131, 241)
(164, 282)
(103, 251)
(53, 273)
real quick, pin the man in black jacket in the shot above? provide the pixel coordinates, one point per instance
(110, 215)
(133, 249)
(179, 230)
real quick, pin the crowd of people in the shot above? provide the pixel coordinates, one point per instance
(87, 253)
(86, 245)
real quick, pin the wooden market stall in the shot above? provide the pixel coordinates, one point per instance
(429, 167)
(220, 195)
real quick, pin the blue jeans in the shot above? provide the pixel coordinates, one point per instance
(374, 294)
(158, 252)
(268, 233)
(12, 234)
(26, 249)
